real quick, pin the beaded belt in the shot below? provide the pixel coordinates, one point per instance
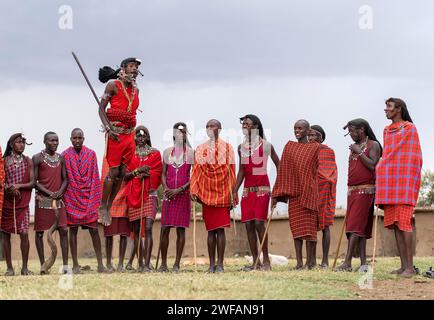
(259, 189)
(362, 189)
(120, 130)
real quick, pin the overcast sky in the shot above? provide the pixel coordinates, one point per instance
(324, 61)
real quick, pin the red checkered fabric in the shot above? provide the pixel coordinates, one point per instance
(297, 175)
(83, 194)
(399, 215)
(398, 173)
(303, 222)
(150, 207)
(327, 180)
(16, 214)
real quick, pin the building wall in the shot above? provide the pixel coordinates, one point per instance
(280, 239)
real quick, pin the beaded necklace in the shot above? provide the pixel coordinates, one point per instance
(51, 161)
(363, 146)
(130, 99)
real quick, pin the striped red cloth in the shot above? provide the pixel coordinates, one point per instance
(297, 181)
(119, 205)
(327, 180)
(303, 222)
(398, 173)
(83, 194)
(297, 175)
(213, 174)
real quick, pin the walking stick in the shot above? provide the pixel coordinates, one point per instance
(139, 244)
(159, 247)
(15, 217)
(194, 236)
(263, 238)
(232, 201)
(375, 240)
(339, 243)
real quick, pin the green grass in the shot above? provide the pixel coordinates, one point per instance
(281, 283)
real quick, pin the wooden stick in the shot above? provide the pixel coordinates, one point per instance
(140, 228)
(375, 240)
(263, 238)
(194, 236)
(15, 217)
(159, 247)
(339, 243)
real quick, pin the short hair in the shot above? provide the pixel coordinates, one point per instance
(48, 134)
(75, 130)
(305, 121)
(320, 130)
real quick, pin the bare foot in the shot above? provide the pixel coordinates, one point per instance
(104, 213)
(175, 268)
(324, 265)
(9, 273)
(299, 267)
(26, 272)
(76, 270)
(163, 268)
(211, 269)
(101, 269)
(120, 268)
(145, 269)
(129, 267)
(397, 271)
(110, 268)
(407, 273)
(219, 269)
(344, 268)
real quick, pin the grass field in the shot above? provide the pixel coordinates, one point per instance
(281, 283)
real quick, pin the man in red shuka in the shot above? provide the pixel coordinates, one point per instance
(119, 122)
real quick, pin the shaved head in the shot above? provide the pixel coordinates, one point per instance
(301, 130)
(77, 130)
(303, 123)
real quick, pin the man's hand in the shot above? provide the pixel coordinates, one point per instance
(193, 197)
(234, 199)
(113, 135)
(170, 193)
(356, 148)
(55, 195)
(145, 170)
(273, 203)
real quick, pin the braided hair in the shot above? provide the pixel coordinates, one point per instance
(362, 123)
(399, 103)
(11, 141)
(144, 129)
(256, 121)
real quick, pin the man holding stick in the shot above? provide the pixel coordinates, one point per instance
(119, 122)
(19, 183)
(364, 156)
